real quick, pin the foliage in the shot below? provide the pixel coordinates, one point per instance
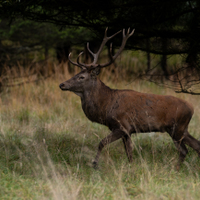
(24, 36)
(152, 19)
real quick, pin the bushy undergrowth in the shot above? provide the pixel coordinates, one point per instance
(47, 146)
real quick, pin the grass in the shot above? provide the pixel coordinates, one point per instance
(47, 146)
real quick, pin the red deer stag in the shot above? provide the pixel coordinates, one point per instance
(127, 111)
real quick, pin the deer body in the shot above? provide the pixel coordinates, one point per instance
(126, 111)
(134, 111)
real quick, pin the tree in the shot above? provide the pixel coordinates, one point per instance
(171, 27)
(23, 36)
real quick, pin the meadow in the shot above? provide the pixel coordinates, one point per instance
(47, 146)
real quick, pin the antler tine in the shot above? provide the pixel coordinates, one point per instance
(105, 40)
(105, 34)
(110, 52)
(77, 64)
(111, 48)
(113, 34)
(88, 48)
(125, 38)
(71, 60)
(79, 55)
(131, 32)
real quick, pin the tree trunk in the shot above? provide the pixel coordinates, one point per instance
(164, 57)
(148, 54)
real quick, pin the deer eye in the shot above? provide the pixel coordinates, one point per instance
(81, 77)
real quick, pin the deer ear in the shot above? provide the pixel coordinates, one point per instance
(95, 71)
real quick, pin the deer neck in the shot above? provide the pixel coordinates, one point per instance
(95, 101)
(96, 93)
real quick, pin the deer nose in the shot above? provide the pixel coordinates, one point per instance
(61, 85)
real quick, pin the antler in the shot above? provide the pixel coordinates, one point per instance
(77, 64)
(125, 38)
(96, 55)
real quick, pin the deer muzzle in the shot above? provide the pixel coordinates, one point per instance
(63, 86)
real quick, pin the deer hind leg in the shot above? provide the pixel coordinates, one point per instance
(113, 136)
(177, 136)
(192, 142)
(182, 152)
(128, 147)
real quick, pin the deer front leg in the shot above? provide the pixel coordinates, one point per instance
(113, 136)
(128, 147)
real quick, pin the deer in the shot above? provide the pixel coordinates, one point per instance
(126, 112)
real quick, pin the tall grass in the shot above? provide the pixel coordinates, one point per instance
(47, 147)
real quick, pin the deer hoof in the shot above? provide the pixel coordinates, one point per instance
(95, 165)
(178, 167)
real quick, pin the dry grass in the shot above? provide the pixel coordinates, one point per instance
(47, 146)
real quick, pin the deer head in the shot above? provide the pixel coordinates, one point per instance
(83, 80)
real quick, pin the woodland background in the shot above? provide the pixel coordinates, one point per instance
(36, 31)
(47, 144)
